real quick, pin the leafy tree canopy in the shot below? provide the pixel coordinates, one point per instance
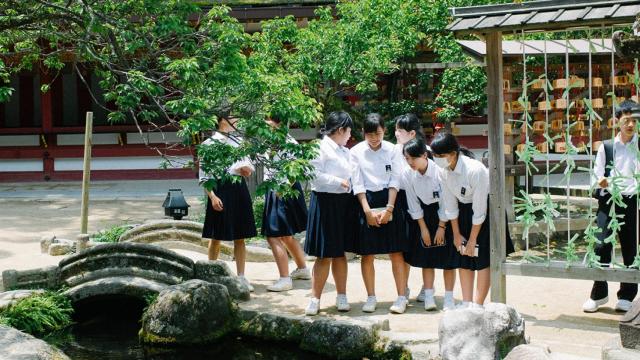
(170, 64)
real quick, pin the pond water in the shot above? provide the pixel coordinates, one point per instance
(109, 331)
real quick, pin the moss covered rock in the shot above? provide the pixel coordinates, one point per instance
(193, 312)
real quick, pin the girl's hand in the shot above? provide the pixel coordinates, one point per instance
(372, 219)
(426, 237)
(470, 248)
(457, 241)
(216, 203)
(345, 184)
(439, 239)
(245, 171)
(384, 217)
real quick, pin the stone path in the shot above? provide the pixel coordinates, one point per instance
(551, 307)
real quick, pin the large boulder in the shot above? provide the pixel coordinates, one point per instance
(344, 340)
(218, 272)
(273, 327)
(193, 312)
(480, 334)
(17, 345)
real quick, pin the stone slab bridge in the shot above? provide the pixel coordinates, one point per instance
(130, 269)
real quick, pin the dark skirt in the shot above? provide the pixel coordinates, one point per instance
(284, 217)
(411, 228)
(465, 222)
(235, 221)
(386, 239)
(329, 224)
(433, 257)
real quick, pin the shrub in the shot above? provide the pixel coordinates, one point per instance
(258, 208)
(112, 234)
(39, 314)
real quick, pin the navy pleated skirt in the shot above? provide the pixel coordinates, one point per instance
(236, 220)
(465, 222)
(386, 239)
(411, 228)
(330, 224)
(284, 217)
(435, 256)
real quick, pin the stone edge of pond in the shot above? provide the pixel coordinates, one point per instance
(16, 344)
(342, 339)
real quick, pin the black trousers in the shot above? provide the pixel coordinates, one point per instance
(628, 238)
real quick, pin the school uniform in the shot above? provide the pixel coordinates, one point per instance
(411, 228)
(284, 217)
(425, 200)
(236, 220)
(375, 173)
(466, 198)
(331, 208)
(625, 165)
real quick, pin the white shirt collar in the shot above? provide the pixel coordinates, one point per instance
(330, 142)
(618, 140)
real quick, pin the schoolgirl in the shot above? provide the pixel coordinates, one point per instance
(331, 211)
(381, 226)
(466, 199)
(229, 215)
(409, 127)
(281, 219)
(435, 248)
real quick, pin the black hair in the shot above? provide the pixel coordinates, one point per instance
(626, 107)
(445, 142)
(335, 121)
(415, 148)
(410, 122)
(372, 122)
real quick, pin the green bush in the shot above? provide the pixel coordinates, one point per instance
(112, 234)
(258, 208)
(39, 314)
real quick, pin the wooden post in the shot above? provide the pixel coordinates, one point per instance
(86, 173)
(497, 196)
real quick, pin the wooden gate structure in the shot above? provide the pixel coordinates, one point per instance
(491, 23)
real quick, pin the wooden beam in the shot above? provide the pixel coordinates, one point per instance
(560, 270)
(497, 210)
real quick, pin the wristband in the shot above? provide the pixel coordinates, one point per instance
(390, 206)
(442, 227)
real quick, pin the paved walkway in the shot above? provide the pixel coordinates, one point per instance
(551, 307)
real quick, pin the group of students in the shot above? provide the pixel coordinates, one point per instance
(423, 207)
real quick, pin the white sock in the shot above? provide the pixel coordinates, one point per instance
(429, 292)
(466, 303)
(448, 294)
(315, 300)
(342, 296)
(402, 297)
(285, 278)
(371, 298)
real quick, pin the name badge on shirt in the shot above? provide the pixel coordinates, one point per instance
(463, 190)
(436, 194)
(387, 168)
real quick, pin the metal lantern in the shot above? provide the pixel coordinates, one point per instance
(175, 204)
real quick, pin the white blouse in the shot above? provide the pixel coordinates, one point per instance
(332, 166)
(467, 183)
(426, 188)
(375, 169)
(268, 173)
(398, 148)
(229, 139)
(625, 165)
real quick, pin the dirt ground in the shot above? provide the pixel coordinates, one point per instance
(551, 307)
